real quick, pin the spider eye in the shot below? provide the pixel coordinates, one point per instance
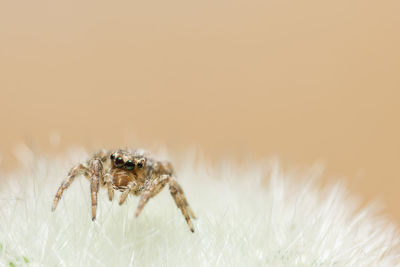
(129, 165)
(119, 162)
(112, 157)
(140, 164)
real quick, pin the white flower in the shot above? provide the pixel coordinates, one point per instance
(247, 216)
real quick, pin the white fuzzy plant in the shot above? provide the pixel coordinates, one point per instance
(254, 215)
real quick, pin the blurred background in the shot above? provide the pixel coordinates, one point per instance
(308, 81)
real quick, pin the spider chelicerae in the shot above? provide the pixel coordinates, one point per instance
(129, 171)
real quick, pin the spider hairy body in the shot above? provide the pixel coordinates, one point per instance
(130, 172)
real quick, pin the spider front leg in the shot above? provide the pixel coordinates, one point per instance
(125, 194)
(176, 192)
(96, 172)
(151, 189)
(180, 200)
(109, 180)
(73, 172)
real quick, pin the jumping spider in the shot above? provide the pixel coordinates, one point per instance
(133, 172)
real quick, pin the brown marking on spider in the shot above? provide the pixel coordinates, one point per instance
(131, 172)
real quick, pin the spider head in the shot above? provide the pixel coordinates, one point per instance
(127, 161)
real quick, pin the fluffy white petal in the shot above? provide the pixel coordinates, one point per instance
(247, 216)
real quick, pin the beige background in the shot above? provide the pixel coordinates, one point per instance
(305, 80)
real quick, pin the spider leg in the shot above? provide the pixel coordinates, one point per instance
(151, 190)
(182, 195)
(108, 180)
(125, 194)
(73, 172)
(102, 155)
(191, 213)
(180, 200)
(96, 168)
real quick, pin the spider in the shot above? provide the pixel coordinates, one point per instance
(135, 172)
